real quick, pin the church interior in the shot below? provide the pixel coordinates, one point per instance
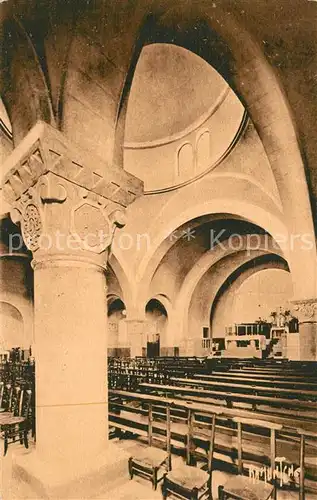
(158, 215)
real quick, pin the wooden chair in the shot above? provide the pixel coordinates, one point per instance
(152, 463)
(17, 424)
(10, 400)
(303, 434)
(249, 488)
(1, 395)
(5, 397)
(189, 481)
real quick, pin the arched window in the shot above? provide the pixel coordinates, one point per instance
(185, 164)
(203, 151)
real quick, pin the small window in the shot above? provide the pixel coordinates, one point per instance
(185, 160)
(203, 151)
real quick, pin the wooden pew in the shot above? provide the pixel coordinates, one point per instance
(303, 436)
(273, 382)
(300, 394)
(276, 370)
(290, 439)
(287, 420)
(299, 368)
(230, 398)
(278, 376)
(127, 374)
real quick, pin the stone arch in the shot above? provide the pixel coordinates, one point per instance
(112, 297)
(246, 70)
(156, 320)
(116, 314)
(228, 290)
(5, 123)
(115, 304)
(207, 29)
(122, 278)
(210, 258)
(269, 261)
(156, 302)
(221, 272)
(243, 65)
(165, 301)
(6, 142)
(204, 264)
(105, 70)
(210, 208)
(23, 83)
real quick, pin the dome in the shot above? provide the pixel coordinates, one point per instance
(182, 118)
(172, 89)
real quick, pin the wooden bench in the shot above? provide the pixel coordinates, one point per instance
(273, 382)
(224, 443)
(278, 376)
(230, 398)
(299, 420)
(249, 389)
(276, 371)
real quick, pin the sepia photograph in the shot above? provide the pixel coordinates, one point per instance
(158, 249)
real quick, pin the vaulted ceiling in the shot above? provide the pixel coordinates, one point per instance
(172, 90)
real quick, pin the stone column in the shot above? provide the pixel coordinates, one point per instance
(68, 206)
(306, 311)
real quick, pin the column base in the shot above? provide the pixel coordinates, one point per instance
(308, 341)
(34, 479)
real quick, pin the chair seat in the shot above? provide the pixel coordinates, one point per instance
(5, 415)
(248, 489)
(152, 457)
(10, 420)
(188, 476)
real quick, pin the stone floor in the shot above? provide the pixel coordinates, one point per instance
(124, 488)
(142, 490)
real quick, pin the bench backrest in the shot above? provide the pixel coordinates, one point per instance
(273, 428)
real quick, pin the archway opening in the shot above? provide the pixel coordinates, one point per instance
(12, 328)
(245, 303)
(116, 326)
(156, 323)
(253, 290)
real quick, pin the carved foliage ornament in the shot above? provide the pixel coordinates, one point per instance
(95, 225)
(307, 309)
(31, 224)
(27, 212)
(45, 149)
(86, 224)
(46, 171)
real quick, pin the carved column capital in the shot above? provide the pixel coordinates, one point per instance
(306, 310)
(67, 201)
